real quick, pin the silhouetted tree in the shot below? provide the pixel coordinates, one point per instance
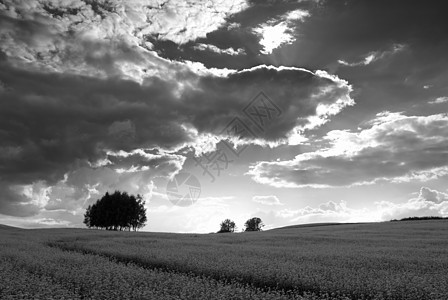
(227, 226)
(254, 224)
(138, 214)
(87, 216)
(119, 211)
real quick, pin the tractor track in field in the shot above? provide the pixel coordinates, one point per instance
(287, 290)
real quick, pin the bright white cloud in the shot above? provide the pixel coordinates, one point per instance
(394, 148)
(275, 33)
(202, 70)
(273, 36)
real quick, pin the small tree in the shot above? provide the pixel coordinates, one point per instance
(254, 224)
(227, 226)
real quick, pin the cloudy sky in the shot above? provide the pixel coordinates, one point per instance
(291, 111)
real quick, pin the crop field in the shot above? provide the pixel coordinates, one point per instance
(395, 260)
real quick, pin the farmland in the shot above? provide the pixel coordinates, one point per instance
(394, 260)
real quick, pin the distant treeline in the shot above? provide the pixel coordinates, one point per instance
(419, 218)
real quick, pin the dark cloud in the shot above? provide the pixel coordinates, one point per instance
(296, 92)
(3, 56)
(53, 123)
(335, 30)
(14, 203)
(53, 120)
(349, 29)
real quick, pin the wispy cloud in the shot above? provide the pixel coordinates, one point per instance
(374, 56)
(213, 48)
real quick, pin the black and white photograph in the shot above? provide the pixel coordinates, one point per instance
(223, 149)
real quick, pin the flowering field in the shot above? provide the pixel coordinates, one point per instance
(397, 260)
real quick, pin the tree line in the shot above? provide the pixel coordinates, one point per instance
(117, 211)
(420, 218)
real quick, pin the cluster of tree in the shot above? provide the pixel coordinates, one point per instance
(253, 224)
(420, 218)
(117, 211)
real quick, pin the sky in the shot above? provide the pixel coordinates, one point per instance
(291, 111)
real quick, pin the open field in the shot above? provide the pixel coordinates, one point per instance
(396, 260)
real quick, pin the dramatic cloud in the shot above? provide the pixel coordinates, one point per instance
(276, 32)
(267, 200)
(305, 100)
(104, 95)
(104, 38)
(80, 86)
(394, 147)
(52, 123)
(168, 20)
(181, 22)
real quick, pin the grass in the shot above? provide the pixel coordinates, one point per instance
(394, 260)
